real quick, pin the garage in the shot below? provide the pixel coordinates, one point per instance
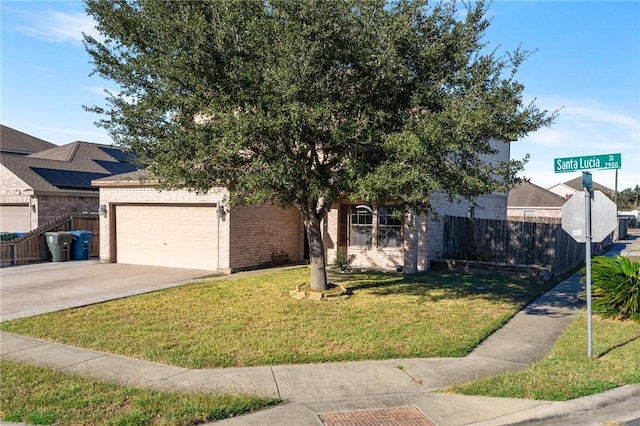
(15, 218)
(180, 236)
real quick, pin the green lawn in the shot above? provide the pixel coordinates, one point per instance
(254, 321)
(40, 396)
(567, 372)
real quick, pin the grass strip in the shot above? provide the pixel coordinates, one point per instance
(254, 321)
(567, 372)
(37, 395)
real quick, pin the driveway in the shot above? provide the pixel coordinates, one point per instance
(46, 287)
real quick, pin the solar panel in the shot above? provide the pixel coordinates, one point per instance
(68, 179)
(118, 154)
(116, 168)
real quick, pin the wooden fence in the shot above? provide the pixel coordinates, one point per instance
(512, 242)
(32, 247)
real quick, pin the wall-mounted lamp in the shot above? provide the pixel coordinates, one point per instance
(220, 212)
(103, 210)
(33, 208)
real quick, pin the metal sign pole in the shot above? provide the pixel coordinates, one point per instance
(586, 181)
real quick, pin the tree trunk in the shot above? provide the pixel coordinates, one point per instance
(316, 253)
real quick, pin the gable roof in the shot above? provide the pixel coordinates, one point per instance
(528, 194)
(14, 142)
(577, 185)
(68, 168)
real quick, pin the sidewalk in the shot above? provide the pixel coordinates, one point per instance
(351, 392)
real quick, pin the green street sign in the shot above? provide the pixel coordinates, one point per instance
(589, 162)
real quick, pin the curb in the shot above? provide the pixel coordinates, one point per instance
(558, 410)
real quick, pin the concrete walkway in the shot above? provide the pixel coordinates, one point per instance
(359, 389)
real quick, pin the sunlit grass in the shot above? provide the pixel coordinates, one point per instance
(567, 372)
(40, 396)
(254, 321)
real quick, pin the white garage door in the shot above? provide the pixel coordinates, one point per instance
(15, 218)
(173, 236)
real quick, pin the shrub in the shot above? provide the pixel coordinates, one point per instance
(343, 260)
(616, 287)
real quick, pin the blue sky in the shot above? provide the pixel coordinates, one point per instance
(586, 64)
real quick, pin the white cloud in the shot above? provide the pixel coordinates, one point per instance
(96, 90)
(60, 27)
(583, 127)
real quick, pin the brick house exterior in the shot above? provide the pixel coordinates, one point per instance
(35, 178)
(258, 235)
(415, 239)
(243, 237)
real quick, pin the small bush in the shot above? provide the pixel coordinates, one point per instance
(343, 260)
(616, 287)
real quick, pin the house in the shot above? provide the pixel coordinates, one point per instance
(529, 200)
(567, 189)
(41, 181)
(142, 225)
(374, 238)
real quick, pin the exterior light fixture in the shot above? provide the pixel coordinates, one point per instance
(220, 211)
(103, 210)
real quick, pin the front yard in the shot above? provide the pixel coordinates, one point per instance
(254, 321)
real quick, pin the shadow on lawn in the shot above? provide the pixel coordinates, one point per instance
(619, 345)
(436, 286)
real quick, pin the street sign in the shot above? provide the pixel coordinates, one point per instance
(604, 217)
(589, 162)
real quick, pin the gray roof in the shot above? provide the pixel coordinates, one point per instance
(15, 142)
(577, 185)
(77, 156)
(143, 176)
(528, 194)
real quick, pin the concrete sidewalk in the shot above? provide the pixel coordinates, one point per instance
(362, 389)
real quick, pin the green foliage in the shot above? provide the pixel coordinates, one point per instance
(629, 199)
(343, 260)
(305, 102)
(616, 287)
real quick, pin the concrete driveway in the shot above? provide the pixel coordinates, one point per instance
(46, 287)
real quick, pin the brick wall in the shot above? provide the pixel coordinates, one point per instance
(265, 234)
(15, 192)
(363, 257)
(423, 239)
(111, 196)
(52, 206)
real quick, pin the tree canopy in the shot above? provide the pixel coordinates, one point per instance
(303, 103)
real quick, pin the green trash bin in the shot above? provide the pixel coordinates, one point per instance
(59, 244)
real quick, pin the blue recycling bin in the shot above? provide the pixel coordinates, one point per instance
(80, 244)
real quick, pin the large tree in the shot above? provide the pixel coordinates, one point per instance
(303, 103)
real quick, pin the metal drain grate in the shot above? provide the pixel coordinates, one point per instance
(409, 416)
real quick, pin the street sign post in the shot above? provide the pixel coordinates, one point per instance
(589, 162)
(583, 233)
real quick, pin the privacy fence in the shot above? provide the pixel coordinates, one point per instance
(32, 247)
(512, 242)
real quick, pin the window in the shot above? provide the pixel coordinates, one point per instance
(389, 226)
(361, 225)
(529, 213)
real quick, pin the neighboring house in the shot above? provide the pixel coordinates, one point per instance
(41, 181)
(567, 189)
(635, 213)
(529, 200)
(142, 225)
